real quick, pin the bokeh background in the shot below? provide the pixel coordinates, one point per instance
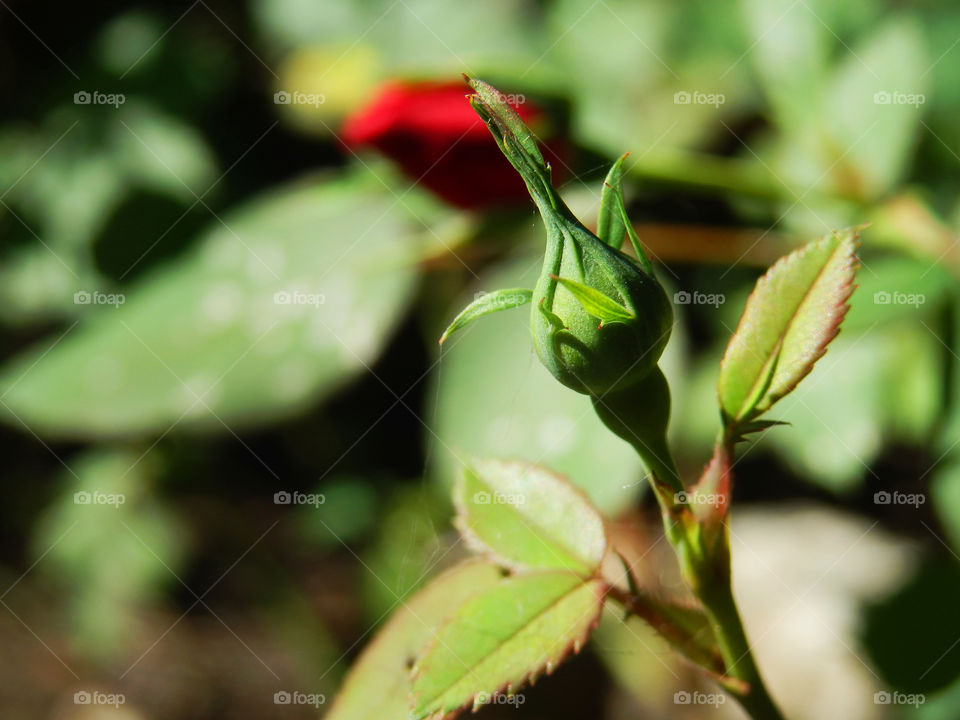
(233, 231)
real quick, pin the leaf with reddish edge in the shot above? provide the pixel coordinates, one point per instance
(504, 637)
(378, 686)
(790, 318)
(526, 517)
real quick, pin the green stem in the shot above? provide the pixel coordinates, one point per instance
(708, 173)
(640, 414)
(721, 608)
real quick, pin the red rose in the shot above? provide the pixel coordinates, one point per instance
(432, 133)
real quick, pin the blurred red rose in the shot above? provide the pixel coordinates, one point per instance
(432, 133)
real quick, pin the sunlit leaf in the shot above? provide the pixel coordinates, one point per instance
(378, 686)
(790, 318)
(503, 637)
(283, 300)
(525, 516)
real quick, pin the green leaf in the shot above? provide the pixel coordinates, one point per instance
(791, 316)
(281, 302)
(503, 637)
(610, 227)
(613, 221)
(526, 517)
(635, 240)
(385, 663)
(595, 302)
(487, 303)
(881, 86)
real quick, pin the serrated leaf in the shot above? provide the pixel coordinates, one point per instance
(596, 303)
(503, 637)
(378, 685)
(527, 517)
(791, 316)
(487, 303)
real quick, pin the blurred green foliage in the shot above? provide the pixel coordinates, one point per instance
(203, 392)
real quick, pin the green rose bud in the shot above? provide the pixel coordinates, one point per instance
(600, 318)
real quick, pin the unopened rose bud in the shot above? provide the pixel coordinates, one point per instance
(601, 319)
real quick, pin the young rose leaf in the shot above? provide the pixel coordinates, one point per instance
(378, 686)
(792, 315)
(526, 517)
(503, 637)
(487, 303)
(595, 302)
